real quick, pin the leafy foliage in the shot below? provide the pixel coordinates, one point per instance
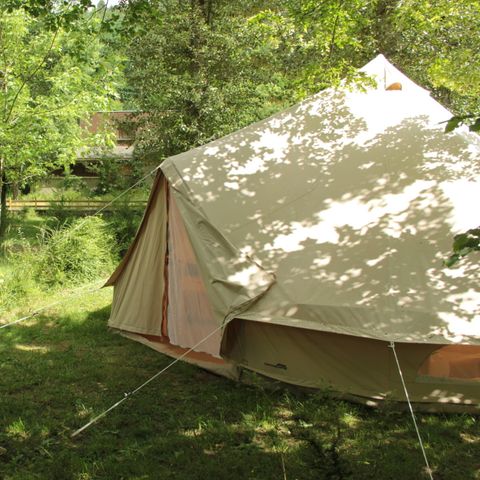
(463, 244)
(75, 253)
(50, 79)
(114, 175)
(435, 43)
(204, 68)
(44, 253)
(68, 255)
(458, 120)
(55, 12)
(123, 225)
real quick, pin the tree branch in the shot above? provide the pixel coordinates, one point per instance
(334, 31)
(36, 69)
(8, 115)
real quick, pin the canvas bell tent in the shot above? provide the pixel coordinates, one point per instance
(301, 246)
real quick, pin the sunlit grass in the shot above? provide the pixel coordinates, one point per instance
(17, 429)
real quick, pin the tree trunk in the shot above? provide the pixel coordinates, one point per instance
(3, 201)
(206, 9)
(15, 191)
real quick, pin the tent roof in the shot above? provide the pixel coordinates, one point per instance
(350, 198)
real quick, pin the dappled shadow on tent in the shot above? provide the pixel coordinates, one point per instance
(350, 201)
(323, 225)
(345, 216)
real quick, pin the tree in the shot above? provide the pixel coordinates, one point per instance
(204, 68)
(53, 73)
(190, 68)
(435, 43)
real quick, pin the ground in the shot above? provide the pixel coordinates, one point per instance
(60, 369)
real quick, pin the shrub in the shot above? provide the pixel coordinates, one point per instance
(81, 251)
(115, 175)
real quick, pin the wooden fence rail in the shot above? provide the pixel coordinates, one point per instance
(76, 205)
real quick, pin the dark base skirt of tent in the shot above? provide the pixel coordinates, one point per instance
(203, 360)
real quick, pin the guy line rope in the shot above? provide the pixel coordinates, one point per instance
(173, 362)
(133, 392)
(127, 190)
(429, 470)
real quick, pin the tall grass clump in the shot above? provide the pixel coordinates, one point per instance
(17, 284)
(82, 251)
(16, 271)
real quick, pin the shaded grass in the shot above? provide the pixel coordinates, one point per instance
(59, 370)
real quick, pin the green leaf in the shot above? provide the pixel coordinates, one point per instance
(475, 127)
(453, 123)
(463, 244)
(460, 242)
(451, 260)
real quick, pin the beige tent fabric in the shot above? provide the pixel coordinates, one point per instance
(139, 281)
(139, 295)
(343, 363)
(233, 280)
(190, 316)
(351, 199)
(157, 188)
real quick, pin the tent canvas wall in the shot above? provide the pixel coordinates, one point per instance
(304, 244)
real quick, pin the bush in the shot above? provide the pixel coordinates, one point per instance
(82, 251)
(115, 175)
(65, 255)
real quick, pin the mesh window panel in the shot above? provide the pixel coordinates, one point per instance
(453, 361)
(190, 315)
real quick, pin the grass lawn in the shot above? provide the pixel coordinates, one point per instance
(61, 368)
